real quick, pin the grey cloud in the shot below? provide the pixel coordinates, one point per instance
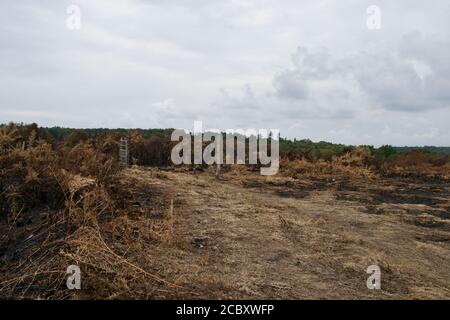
(388, 79)
(310, 68)
(290, 84)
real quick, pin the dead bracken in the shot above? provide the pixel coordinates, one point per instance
(155, 231)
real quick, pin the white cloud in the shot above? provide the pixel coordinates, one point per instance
(310, 68)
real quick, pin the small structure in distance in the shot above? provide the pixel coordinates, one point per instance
(124, 151)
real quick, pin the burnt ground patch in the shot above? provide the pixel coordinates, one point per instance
(298, 194)
(346, 185)
(427, 222)
(439, 238)
(297, 189)
(439, 213)
(404, 197)
(139, 199)
(396, 191)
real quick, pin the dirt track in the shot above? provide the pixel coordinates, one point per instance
(247, 236)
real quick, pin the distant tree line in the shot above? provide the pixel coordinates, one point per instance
(152, 146)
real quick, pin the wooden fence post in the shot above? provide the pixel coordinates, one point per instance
(123, 151)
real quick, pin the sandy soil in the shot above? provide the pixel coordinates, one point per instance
(254, 237)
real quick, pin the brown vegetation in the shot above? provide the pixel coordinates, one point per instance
(66, 206)
(169, 233)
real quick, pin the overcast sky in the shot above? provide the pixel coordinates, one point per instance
(312, 69)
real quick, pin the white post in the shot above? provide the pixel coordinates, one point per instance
(123, 151)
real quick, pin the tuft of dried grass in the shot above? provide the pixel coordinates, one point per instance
(84, 226)
(354, 163)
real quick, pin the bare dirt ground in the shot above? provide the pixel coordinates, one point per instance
(251, 237)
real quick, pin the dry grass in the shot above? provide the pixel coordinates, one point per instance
(416, 163)
(135, 233)
(352, 164)
(83, 226)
